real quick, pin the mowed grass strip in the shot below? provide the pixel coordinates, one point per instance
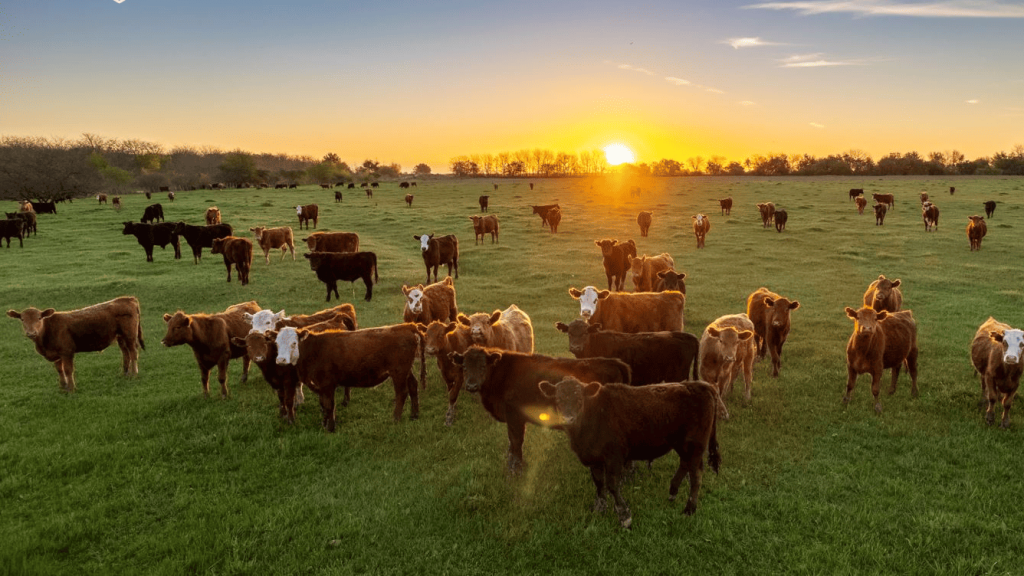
(145, 475)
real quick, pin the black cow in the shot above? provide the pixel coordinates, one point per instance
(438, 251)
(29, 219)
(375, 184)
(854, 192)
(351, 185)
(337, 195)
(13, 228)
(44, 207)
(349, 267)
(199, 237)
(780, 220)
(154, 213)
(149, 235)
(653, 357)
(280, 186)
(990, 208)
(403, 185)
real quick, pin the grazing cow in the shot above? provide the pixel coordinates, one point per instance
(643, 220)
(726, 205)
(510, 329)
(855, 192)
(543, 212)
(28, 219)
(646, 270)
(360, 359)
(438, 251)
(433, 302)
(672, 280)
(951, 190)
(441, 338)
(165, 189)
(701, 227)
(884, 294)
(237, 251)
(199, 237)
(507, 383)
(554, 219)
(290, 186)
(374, 184)
(997, 353)
(781, 217)
(880, 340)
(976, 230)
(483, 203)
(643, 312)
(58, 336)
(652, 357)
(484, 225)
(339, 184)
(531, 185)
(610, 425)
(45, 207)
(351, 185)
(861, 204)
(408, 200)
(332, 242)
(767, 210)
(879, 214)
(930, 214)
(272, 238)
(634, 192)
(117, 203)
(150, 235)
(209, 336)
(102, 198)
(212, 216)
(170, 196)
(307, 213)
(887, 199)
(153, 213)
(495, 186)
(616, 260)
(726, 347)
(369, 192)
(413, 184)
(13, 228)
(990, 209)
(348, 267)
(924, 197)
(325, 186)
(280, 186)
(403, 185)
(769, 313)
(337, 196)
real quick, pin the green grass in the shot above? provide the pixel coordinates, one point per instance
(144, 475)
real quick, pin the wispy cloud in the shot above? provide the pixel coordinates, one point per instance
(635, 69)
(671, 79)
(745, 103)
(816, 125)
(712, 90)
(677, 81)
(749, 43)
(937, 9)
(973, 101)
(813, 61)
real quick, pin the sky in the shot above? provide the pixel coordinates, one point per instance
(412, 82)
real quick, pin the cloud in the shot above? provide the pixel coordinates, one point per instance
(973, 101)
(745, 103)
(935, 9)
(816, 125)
(677, 81)
(813, 61)
(712, 90)
(749, 43)
(635, 69)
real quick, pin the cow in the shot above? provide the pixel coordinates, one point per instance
(360, 359)
(13, 228)
(438, 251)
(727, 347)
(616, 260)
(45, 207)
(767, 210)
(25, 206)
(351, 186)
(531, 185)
(337, 196)
(770, 313)
(291, 186)
(149, 235)
(495, 186)
(672, 280)
(952, 189)
(425, 304)
(272, 238)
(374, 184)
(325, 186)
(332, 242)
(219, 186)
(855, 192)
(408, 200)
(170, 196)
(781, 217)
(879, 214)
(634, 192)
(990, 209)
(884, 294)
(554, 219)
(652, 357)
(646, 269)
(610, 425)
(726, 205)
(930, 214)
(280, 186)
(343, 315)
(369, 192)
(861, 204)
(117, 203)
(29, 221)
(165, 189)
(997, 353)
(413, 184)
(153, 213)
(102, 198)
(209, 336)
(237, 251)
(701, 227)
(403, 185)
(643, 312)
(212, 216)
(307, 213)
(887, 199)
(483, 203)
(510, 329)
(149, 195)
(199, 237)
(543, 210)
(58, 336)
(976, 230)
(440, 339)
(349, 267)
(507, 382)
(643, 219)
(484, 225)
(924, 197)
(880, 340)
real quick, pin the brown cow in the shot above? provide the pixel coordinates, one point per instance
(554, 219)
(307, 213)
(13, 228)
(997, 353)
(641, 312)
(767, 210)
(337, 195)
(672, 280)
(443, 250)
(643, 220)
(408, 200)
(976, 230)
(769, 313)
(483, 203)
(58, 336)
(726, 347)
(441, 339)
(888, 199)
(332, 242)
(170, 196)
(510, 329)
(701, 227)
(646, 270)
(879, 214)
(543, 210)
(272, 238)
(855, 192)
(930, 215)
(209, 336)
(212, 216)
(116, 202)
(861, 204)
(726, 205)
(262, 349)
(25, 206)
(484, 225)
(924, 197)
(616, 260)
(433, 302)
(102, 198)
(952, 189)
(330, 267)
(610, 425)
(990, 208)
(884, 294)
(880, 340)
(237, 251)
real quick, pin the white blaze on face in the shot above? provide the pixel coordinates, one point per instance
(414, 301)
(424, 242)
(1014, 342)
(265, 320)
(298, 210)
(588, 302)
(700, 219)
(288, 346)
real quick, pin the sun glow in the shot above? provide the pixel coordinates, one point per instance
(618, 154)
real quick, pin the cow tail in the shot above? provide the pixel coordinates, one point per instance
(423, 360)
(714, 456)
(696, 362)
(142, 343)
(376, 280)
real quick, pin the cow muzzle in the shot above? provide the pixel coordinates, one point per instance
(1011, 360)
(258, 358)
(282, 361)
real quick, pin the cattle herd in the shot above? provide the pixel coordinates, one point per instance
(636, 387)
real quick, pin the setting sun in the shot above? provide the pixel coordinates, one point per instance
(618, 154)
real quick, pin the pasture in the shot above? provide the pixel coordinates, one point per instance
(146, 476)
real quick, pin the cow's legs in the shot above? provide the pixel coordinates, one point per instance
(204, 379)
(876, 386)
(369, 287)
(597, 475)
(246, 361)
(68, 366)
(228, 265)
(1007, 404)
(453, 397)
(61, 380)
(222, 377)
(347, 397)
(851, 382)
(327, 407)
(401, 384)
(912, 368)
(612, 475)
(988, 388)
(516, 434)
(748, 376)
(693, 460)
(895, 376)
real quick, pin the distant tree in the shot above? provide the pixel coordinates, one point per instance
(389, 171)
(238, 167)
(667, 167)
(331, 158)
(421, 170)
(323, 172)
(771, 165)
(695, 163)
(735, 169)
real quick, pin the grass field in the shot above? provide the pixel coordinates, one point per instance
(147, 476)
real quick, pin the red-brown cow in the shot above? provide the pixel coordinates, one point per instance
(332, 242)
(237, 251)
(640, 312)
(554, 219)
(424, 304)
(726, 205)
(672, 280)
(767, 210)
(616, 260)
(510, 329)
(212, 216)
(209, 336)
(861, 204)
(644, 221)
(884, 294)
(880, 210)
(976, 230)
(485, 225)
(646, 270)
(483, 203)
(443, 250)
(307, 213)
(997, 353)
(701, 227)
(930, 215)
(726, 347)
(769, 313)
(543, 210)
(408, 200)
(440, 339)
(887, 199)
(273, 238)
(880, 340)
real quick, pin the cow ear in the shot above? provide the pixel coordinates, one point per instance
(303, 334)
(495, 316)
(996, 336)
(247, 317)
(463, 319)
(562, 327)
(896, 283)
(307, 255)
(547, 389)
(662, 274)
(456, 357)
(47, 313)
(405, 290)
(851, 312)
(603, 294)
(694, 217)
(745, 335)
(451, 327)
(881, 315)
(769, 302)
(575, 293)
(188, 320)
(714, 332)
(591, 389)
(597, 242)
(493, 357)
(239, 342)
(447, 281)
(596, 327)
(167, 317)
(421, 328)
(13, 314)
(416, 236)
(794, 305)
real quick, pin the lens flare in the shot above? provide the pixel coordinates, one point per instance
(618, 154)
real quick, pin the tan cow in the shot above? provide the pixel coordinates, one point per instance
(332, 242)
(769, 313)
(884, 294)
(484, 225)
(424, 304)
(880, 340)
(212, 216)
(861, 204)
(727, 347)
(997, 353)
(646, 269)
(644, 221)
(439, 340)
(271, 238)
(631, 312)
(701, 227)
(767, 210)
(510, 329)
(976, 230)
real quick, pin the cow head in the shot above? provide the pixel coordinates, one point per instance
(672, 280)
(315, 258)
(478, 222)
(699, 219)
(218, 246)
(579, 335)
(1012, 342)
(569, 397)
(883, 291)
(780, 308)
(32, 320)
(311, 243)
(179, 329)
(129, 228)
(879, 209)
(976, 220)
(434, 335)
(288, 345)
(607, 246)
(256, 344)
(257, 232)
(480, 325)
(264, 320)
(413, 298)
(636, 266)
(865, 320)
(424, 241)
(298, 210)
(588, 300)
(729, 340)
(476, 364)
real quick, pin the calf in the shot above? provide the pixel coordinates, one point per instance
(976, 230)
(237, 251)
(990, 209)
(781, 217)
(212, 216)
(643, 312)
(331, 267)
(153, 213)
(45, 207)
(343, 316)
(433, 302)
(610, 425)
(273, 238)
(769, 313)
(767, 210)
(351, 186)
(930, 214)
(209, 336)
(879, 214)
(403, 185)
(337, 196)
(554, 219)
(117, 203)
(483, 203)
(102, 198)
(369, 193)
(440, 339)
(199, 237)
(861, 204)
(543, 210)
(652, 356)
(307, 213)
(484, 225)
(646, 270)
(726, 347)
(616, 260)
(880, 340)
(408, 200)
(507, 383)
(332, 242)
(997, 353)
(28, 219)
(325, 186)
(726, 205)
(887, 199)
(25, 206)
(924, 197)
(643, 220)
(884, 294)
(149, 235)
(170, 196)
(438, 251)
(13, 228)
(510, 329)
(58, 336)
(672, 281)
(952, 189)
(701, 227)
(855, 192)
(261, 348)
(374, 184)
